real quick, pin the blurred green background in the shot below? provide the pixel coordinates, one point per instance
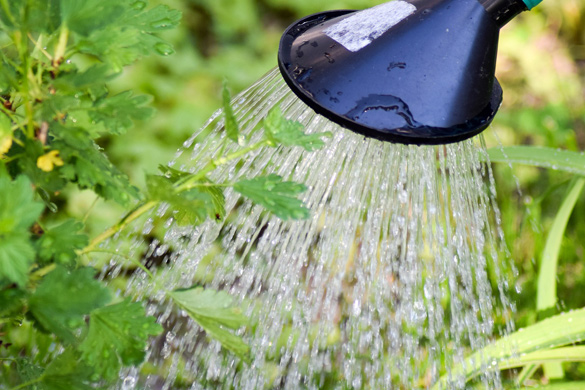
(541, 67)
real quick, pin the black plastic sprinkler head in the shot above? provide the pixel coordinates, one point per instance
(411, 72)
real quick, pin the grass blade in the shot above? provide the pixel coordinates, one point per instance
(547, 277)
(562, 160)
(557, 331)
(546, 297)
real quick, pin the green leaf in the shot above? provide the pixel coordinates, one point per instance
(277, 196)
(64, 297)
(118, 112)
(231, 124)
(564, 329)
(86, 16)
(65, 372)
(89, 167)
(130, 33)
(18, 209)
(117, 336)
(562, 160)
(16, 256)
(279, 130)
(12, 302)
(191, 207)
(213, 311)
(60, 242)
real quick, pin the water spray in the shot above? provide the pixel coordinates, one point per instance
(412, 72)
(387, 284)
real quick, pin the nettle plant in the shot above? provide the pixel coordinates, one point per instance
(61, 327)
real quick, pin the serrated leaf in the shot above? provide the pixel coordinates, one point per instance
(281, 131)
(86, 165)
(65, 372)
(231, 124)
(64, 297)
(117, 335)
(275, 195)
(16, 256)
(191, 207)
(86, 16)
(11, 302)
(118, 112)
(214, 312)
(59, 243)
(18, 209)
(172, 174)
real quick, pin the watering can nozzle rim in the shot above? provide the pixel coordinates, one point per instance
(407, 71)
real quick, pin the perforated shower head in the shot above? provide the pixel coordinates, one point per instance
(412, 72)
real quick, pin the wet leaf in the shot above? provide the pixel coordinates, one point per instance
(281, 131)
(59, 243)
(214, 312)
(64, 297)
(275, 195)
(118, 335)
(231, 124)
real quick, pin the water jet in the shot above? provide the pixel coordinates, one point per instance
(386, 285)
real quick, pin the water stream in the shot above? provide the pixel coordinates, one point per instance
(386, 285)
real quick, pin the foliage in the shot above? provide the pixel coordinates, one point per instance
(57, 64)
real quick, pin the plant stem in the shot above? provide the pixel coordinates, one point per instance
(130, 217)
(61, 46)
(185, 184)
(182, 185)
(29, 383)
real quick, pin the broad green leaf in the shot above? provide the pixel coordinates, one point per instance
(67, 372)
(275, 195)
(12, 302)
(231, 124)
(117, 336)
(16, 256)
(214, 312)
(64, 297)
(18, 209)
(118, 112)
(281, 131)
(59, 243)
(562, 160)
(564, 329)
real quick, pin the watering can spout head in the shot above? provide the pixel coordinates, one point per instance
(412, 72)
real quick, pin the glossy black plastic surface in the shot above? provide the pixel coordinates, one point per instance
(427, 80)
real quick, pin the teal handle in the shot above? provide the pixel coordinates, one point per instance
(531, 3)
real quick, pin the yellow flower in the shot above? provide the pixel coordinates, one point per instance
(48, 161)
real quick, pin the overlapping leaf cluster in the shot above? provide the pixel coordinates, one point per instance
(56, 59)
